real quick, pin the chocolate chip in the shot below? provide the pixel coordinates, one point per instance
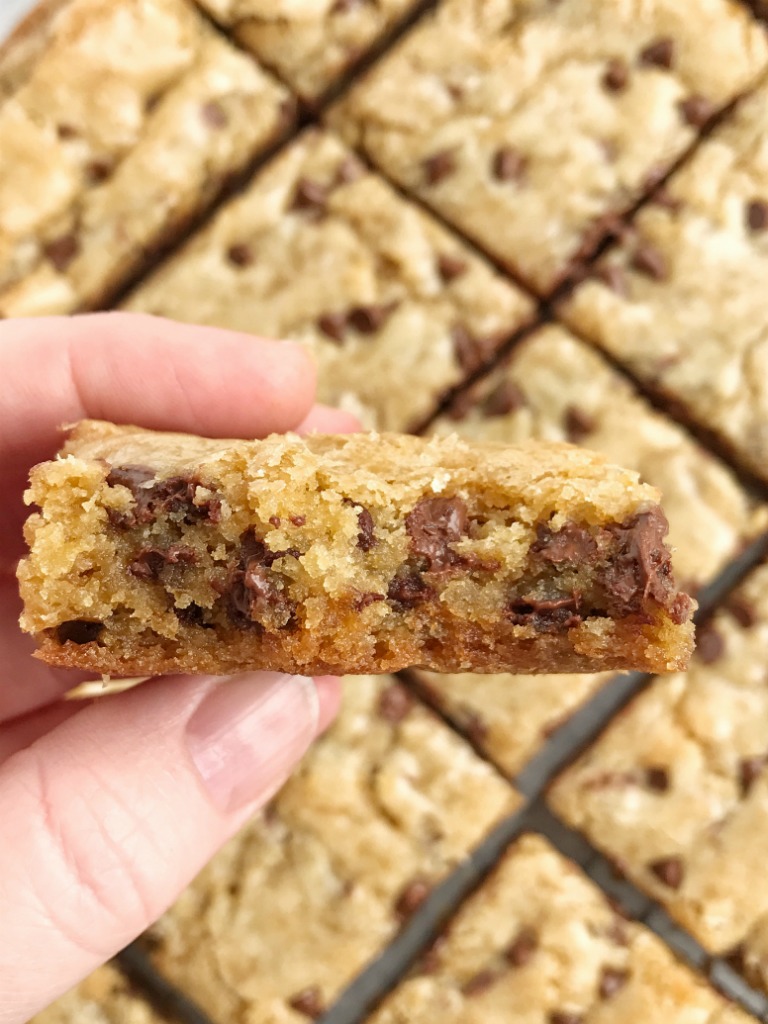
(214, 115)
(173, 497)
(333, 325)
(479, 982)
(508, 164)
(240, 254)
(555, 615)
(254, 593)
(670, 871)
(98, 170)
(660, 53)
(505, 398)
(298, 520)
(757, 215)
(710, 644)
(749, 770)
(430, 961)
(309, 1002)
(657, 779)
(412, 897)
(275, 521)
(614, 277)
(433, 525)
(475, 727)
(570, 544)
(408, 589)
(362, 600)
(450, 266)
(520, 951)
(616, 75)
(149, 562)
(67, 131)
(344, 6)
(470, 351)
(365, 538)
(697, 110)
(61, 251)
(439, 166)
(395, 703)
(350, 169)
(309, 196)
(565, 1017)
(78, 631)
(648, 260)
(369, 319)
(578, 423)
(741, 609)
(612, 979)
(193, 615)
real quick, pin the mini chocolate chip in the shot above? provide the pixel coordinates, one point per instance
(479, 982)
(408, 589)
(616, 75)
(439, 166)
(309, 1002)
(333, 325)
(749, 770)
(450, 266)
(710, 644)
(505, 398)
(240, 254)
(648, 260)
(612, 275)
(149, 562)
(520, 951)
(742, 611)
(660, 52)
(365, 538)
(565, 1017)
(275, 521)
(310, 196)
(395, 703)
(98, 170)
(350, 169)
(369, 319)
(657, 779)
(697, 110)
(508, 164)
(570, 544)
(412, 897)
(61, 251)
(193, 615)
(298, 520)
(757, 215)
(669, 870)
(611, 980)
(67, 131)
(578, 423)
(78, 631)
(214, 115)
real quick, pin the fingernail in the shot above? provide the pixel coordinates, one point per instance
(248, 734)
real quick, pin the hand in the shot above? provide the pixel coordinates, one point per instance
(109, 808)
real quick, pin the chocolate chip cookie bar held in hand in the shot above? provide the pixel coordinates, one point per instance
(158, 552)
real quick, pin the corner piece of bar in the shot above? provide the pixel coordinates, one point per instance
(370, 553)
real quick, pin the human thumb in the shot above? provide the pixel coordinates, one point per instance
(106, 818)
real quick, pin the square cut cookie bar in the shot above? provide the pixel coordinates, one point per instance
(104, 998)
(681, 301)
(676, 789)
(394, 309)
(538, 943)
(165, 552)
(128, 123)
(380, 810)
(310, 44)
(531, 124)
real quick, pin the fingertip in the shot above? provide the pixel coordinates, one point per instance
(323, 419)
(329, 695)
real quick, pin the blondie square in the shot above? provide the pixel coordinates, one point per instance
(166, 552)
(676, 789)
(394, 309)
(294, 907)
(530, 125)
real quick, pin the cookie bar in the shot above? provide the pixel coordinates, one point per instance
(127, 124)
(294, 907)
(310, 44)
(322, 251)
(676, 790)
(540, 944)
(681, 301)
(19, 52)
(165, 552)
(103, 998)
(508, 718)
(531, 124)
(554, 387)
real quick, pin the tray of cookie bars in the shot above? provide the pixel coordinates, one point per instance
(500, 227)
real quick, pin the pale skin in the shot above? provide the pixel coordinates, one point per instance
(110, 807)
